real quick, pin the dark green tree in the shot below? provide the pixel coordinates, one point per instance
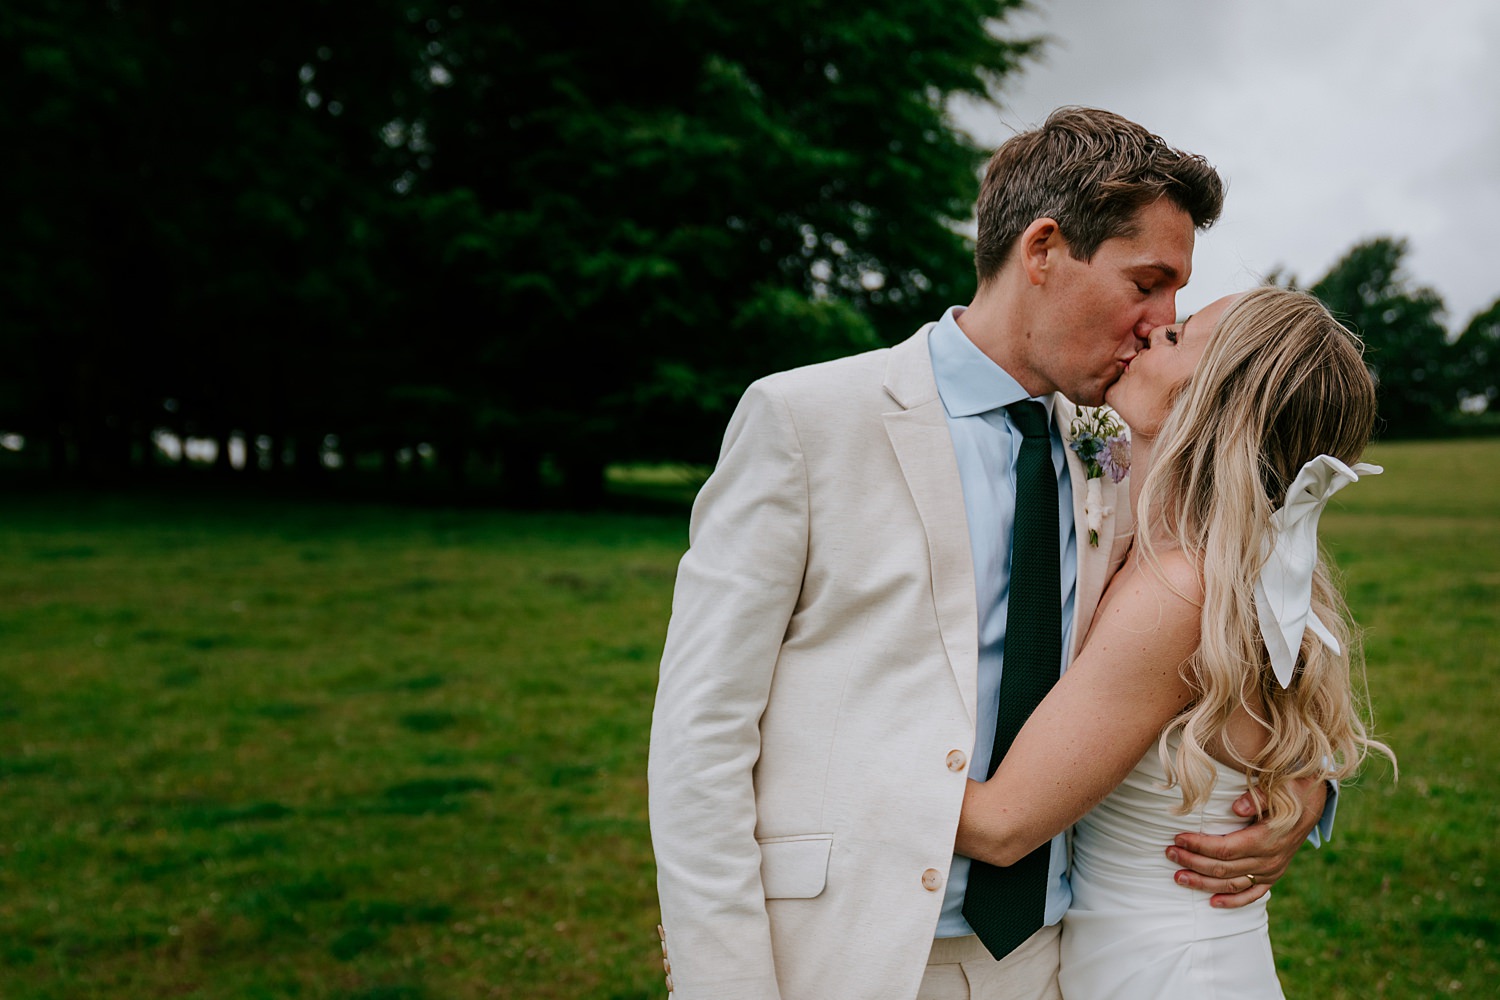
(192, 247)
(532, 236)
(1406, 344)
(1478, 351)
(652, 224)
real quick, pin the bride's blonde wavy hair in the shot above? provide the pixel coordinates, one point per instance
(1280, 383)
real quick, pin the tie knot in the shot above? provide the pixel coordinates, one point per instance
(1030, 418)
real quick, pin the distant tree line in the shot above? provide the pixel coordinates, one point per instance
(517, 241)
(525, 236)
(1429, 381)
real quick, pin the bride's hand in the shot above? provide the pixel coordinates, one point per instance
(1240, 867)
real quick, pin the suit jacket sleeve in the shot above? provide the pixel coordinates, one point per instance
(737, 587)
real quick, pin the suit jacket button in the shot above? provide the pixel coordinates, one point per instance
(957, 760)
(932, 880)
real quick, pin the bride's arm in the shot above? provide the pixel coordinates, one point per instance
(1096, 722)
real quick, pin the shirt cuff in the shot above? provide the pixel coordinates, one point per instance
(1323, 832)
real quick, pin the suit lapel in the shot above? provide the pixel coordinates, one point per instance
(919, 436)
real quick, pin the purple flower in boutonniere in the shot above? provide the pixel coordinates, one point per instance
(1114, 457)
(1099, 439)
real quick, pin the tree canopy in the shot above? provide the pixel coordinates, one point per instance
(528, 236)
(1429, 381)
(1478, 350)
(1406, 344)
(524, 240)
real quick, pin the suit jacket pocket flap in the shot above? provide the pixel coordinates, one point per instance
(795, 867)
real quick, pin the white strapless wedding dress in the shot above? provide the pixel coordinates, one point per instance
(1132, 933)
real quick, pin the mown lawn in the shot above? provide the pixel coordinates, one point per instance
(275, 749)
(1402, 903)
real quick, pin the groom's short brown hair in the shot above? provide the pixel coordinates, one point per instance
(1090, 171)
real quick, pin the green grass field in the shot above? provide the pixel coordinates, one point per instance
(273, 749)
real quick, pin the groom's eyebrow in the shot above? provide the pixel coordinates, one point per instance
(1167, 270)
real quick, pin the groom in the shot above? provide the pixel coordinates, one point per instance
(833, 667)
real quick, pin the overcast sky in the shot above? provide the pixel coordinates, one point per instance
(1332, 120)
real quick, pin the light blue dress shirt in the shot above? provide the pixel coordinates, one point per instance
(974, 391)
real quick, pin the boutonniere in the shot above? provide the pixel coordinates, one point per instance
(1099, 439)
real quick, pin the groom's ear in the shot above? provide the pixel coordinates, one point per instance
(1039, 246)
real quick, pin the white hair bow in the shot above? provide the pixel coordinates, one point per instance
(1283, 593)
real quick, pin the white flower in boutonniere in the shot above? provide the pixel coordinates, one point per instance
(1099, 439)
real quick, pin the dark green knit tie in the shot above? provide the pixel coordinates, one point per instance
(1005, 906)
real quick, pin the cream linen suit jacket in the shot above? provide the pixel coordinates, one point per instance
(816, 705)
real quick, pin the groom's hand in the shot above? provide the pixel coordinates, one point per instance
(1223, 865)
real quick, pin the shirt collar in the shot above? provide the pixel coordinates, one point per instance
(968, 382)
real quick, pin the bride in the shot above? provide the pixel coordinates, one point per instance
(1220, 658)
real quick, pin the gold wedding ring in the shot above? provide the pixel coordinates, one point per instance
(1251, 878)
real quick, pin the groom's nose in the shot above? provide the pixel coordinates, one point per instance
(1162, 313)
(1143, 335)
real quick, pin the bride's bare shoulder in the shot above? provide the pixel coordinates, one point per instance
(1165, 571)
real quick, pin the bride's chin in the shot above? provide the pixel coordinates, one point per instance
(1112, 400)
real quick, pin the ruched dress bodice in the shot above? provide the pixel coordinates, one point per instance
(1132, 933)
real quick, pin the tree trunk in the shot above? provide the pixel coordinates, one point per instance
(222, 464)
(521, 474)
(583, 480)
